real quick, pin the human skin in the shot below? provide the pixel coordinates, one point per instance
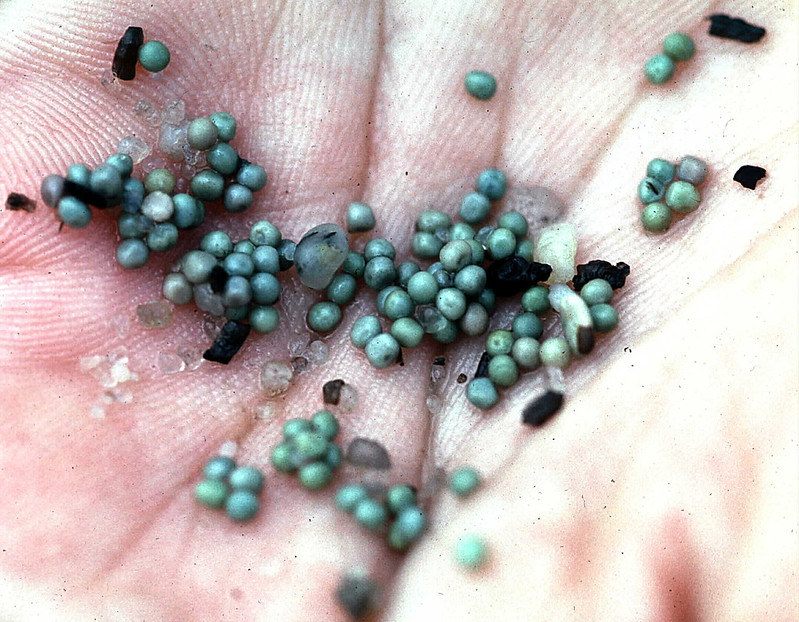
(666, 488)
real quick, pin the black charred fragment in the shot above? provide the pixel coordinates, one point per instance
(218, 279)
(515, 274)
(17, 201)
(539, 272)
(748, 175)
(356, 594)
(300, 364)
(331, 391)
(735, 28)
(541, 409)
(440, 360)
(461, 378)
(127, 53)
(585, 339)
(228, 342)
(85, 194)
(600, 269)
(482, 366)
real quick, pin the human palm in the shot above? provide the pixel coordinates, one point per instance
(666, 487)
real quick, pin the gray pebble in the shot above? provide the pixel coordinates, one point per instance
(319, 254)
(367, 453)
(52, 189)
(693, 170)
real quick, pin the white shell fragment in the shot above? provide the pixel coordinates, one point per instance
(158, 206)
(556, 245)
(319, 254)
(578, 328)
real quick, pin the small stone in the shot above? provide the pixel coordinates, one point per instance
(211, 326)
(170, 363)
(348, 398)
(174, 112)
(298, 344)
(193, 160)
(121, 325)
(151, 163)
(320, 254)
(191, 356)
(367, 453)
(265, 411)
(171, 140)
(136, 148)
(110, 82)
(319, 352)
(434, 404)
(155, 314)
(276, 378)
(147, 112)
(207, 300)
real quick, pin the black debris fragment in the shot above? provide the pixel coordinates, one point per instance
(375, 489)
(85, 194)
(461, 378)
(228, 342)
(367, 453)
(515, 274)
(300, 364)
(356, 593)
(585, 339)
(748, 176)
(218, 279)
(541, 409)
(331, 391)
(440, 360)
(482, 366)
(538, 272)
(127, 53)
(17, 201)
(600, 269)
(735, 28)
